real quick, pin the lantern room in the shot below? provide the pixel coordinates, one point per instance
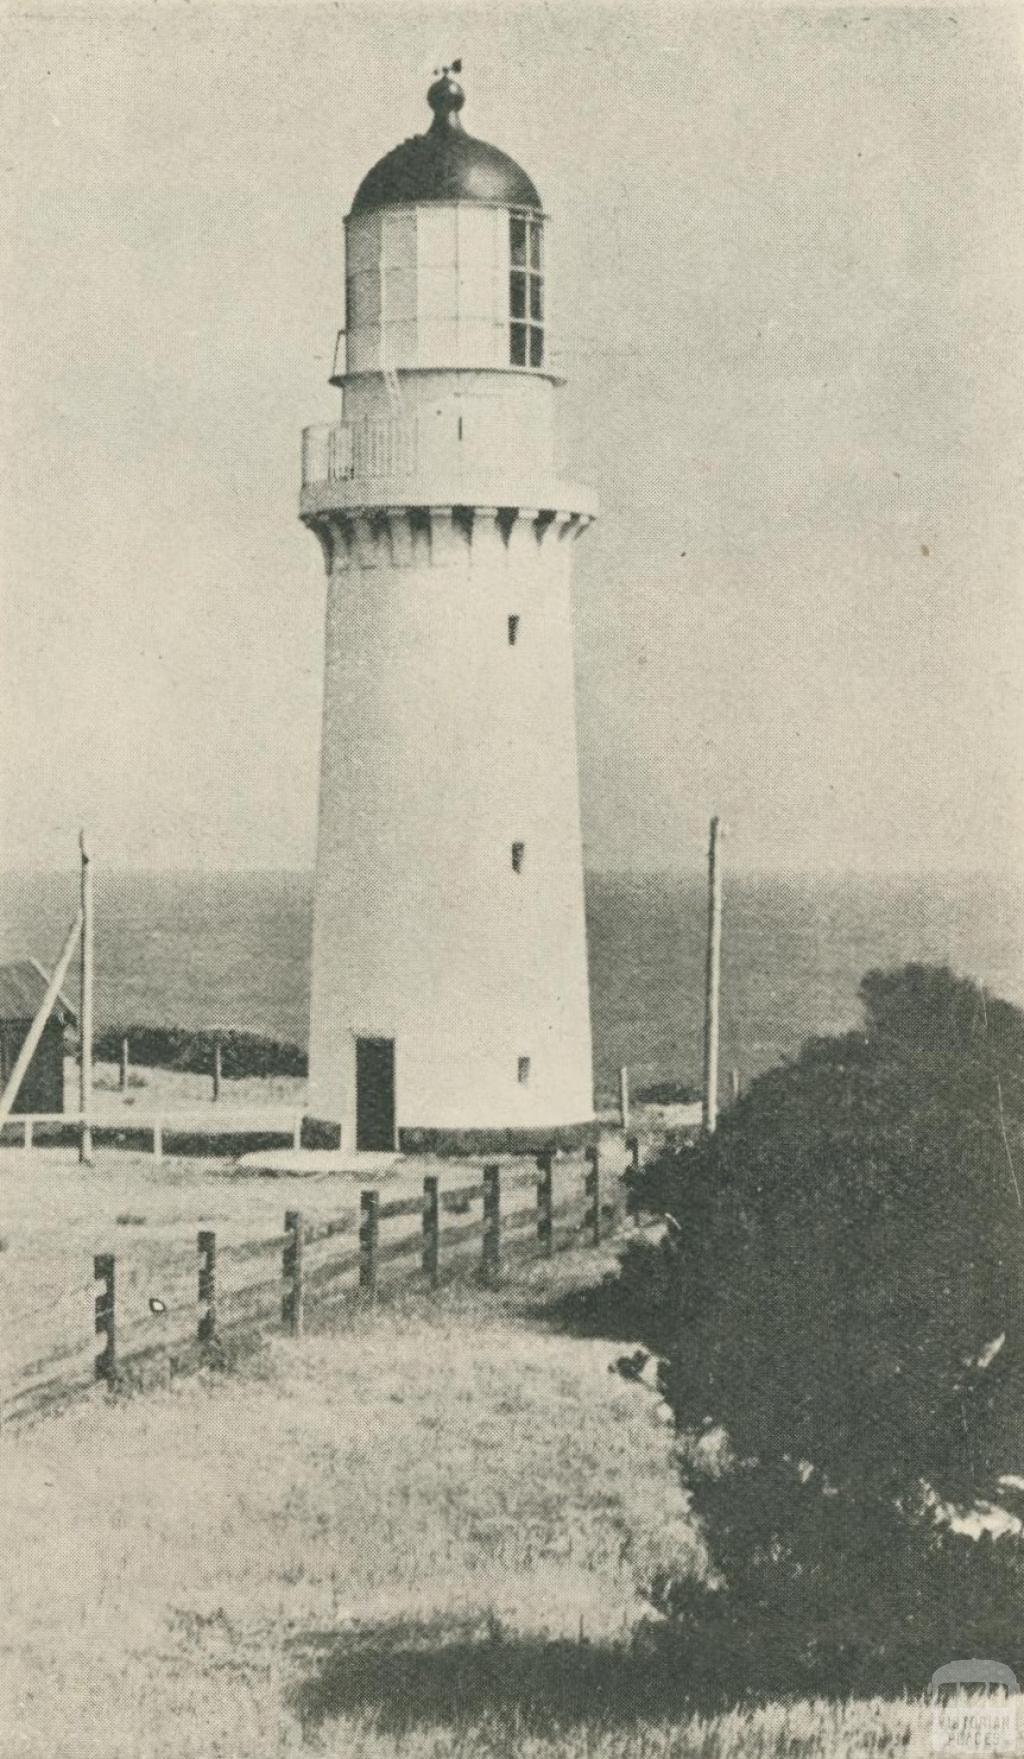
(444, 249)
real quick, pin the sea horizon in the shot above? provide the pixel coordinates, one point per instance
(229, 948)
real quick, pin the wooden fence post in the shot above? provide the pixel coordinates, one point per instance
(633, 1174)
(492, 1224)
(624, 1099)
(592, 1187)
(545, 1224)
(158, 1139)
(207, 1243)
(26, 1141)
(216, 1068)
(124, 1065)
(297, 1131)
(106, 1362)
(291, 1274)
(369, 1204)
(431, 1228)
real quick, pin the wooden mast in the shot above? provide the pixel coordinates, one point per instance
(85, 1023)
(712, 983)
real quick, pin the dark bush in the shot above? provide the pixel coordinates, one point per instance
(845, 1303)
(172, 1047)
(666, 1093)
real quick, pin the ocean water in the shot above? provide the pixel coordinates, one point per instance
(233, 950)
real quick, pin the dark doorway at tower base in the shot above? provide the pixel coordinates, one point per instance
(375, 1095)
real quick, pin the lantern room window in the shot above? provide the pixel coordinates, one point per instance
(526, 292)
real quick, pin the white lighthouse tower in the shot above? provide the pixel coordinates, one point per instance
(449, 984)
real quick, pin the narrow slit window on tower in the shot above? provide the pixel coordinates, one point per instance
(524, 1071)
(513, 631)
(518, 853)
(526, 292)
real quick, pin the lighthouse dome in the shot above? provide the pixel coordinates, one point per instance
(445, 165)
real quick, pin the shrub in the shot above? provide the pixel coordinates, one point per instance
(666, 1093)
(173, 1047)
(845, 1303)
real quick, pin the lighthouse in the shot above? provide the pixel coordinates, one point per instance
(449, 1003)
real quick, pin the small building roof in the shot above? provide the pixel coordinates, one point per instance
(22, 988)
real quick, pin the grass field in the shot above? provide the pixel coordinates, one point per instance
(55, 1215)
(420, 1534)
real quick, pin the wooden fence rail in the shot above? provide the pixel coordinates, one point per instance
(312, 1268)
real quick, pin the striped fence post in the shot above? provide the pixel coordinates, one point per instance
(369, 1229)
(103, 1269)
(492, 1224)
(592, 1187)
(207, 1244)
(291, 1274)
(431, 1229)
(545, 1222)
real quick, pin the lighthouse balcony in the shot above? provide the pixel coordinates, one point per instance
(428, 460)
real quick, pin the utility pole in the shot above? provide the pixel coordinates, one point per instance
(85, 1011)
(712, 983)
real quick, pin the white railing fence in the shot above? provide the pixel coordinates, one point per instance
(370, 447)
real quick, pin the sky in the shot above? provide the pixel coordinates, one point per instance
(784, 258)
